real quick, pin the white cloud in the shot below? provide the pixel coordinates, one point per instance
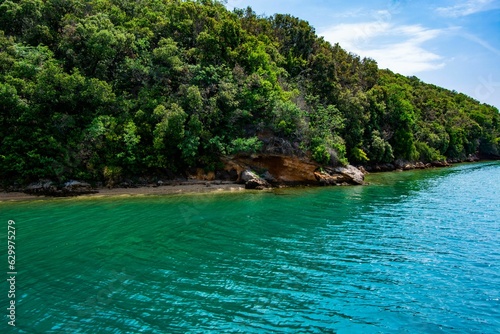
(482, 42)
(465, 8)
(406, 58)
(350, 36)
(399, 48)
(356, 12)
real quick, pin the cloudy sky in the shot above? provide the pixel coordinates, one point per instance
(450, 43)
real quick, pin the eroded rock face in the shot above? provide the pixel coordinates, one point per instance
(276, 169)
(269, 177)
(285, 170)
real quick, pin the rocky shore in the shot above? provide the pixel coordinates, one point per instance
(403, 165)
(258, 171)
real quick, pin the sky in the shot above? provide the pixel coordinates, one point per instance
(450, 43)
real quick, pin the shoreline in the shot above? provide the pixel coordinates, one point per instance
(186, 188)
(189, 187)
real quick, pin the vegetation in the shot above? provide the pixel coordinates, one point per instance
(100, 89)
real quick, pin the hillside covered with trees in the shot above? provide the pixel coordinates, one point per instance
(99, 89)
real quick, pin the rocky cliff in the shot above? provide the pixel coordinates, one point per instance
(278, 170)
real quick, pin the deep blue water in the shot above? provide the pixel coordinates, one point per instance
(413, 252)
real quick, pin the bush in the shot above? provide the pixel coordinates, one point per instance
(358, 155)
(427, 153)
(380, 150)
(245, 145)
(330, 151)
(112, 175)
(321, 155)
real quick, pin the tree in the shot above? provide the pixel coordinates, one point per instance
(168, 133)
(101, 90)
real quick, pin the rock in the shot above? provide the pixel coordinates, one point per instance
(472, 158)
(420, 165)
(326, 179)
(399, 164)
(440, 164)
(70, 185)
(408, 166)
(269, 177)
(49, 188)
(42, 187)
(382, 167)
(253, 181)
(363, 170)
(258, 184)
(248, 175)
(351, 174)
(340, 176)
(73, 188)
(389, 167)
(287, 170)
(290, 170)
(142, 181)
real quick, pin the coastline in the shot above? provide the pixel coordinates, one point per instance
(184, 188)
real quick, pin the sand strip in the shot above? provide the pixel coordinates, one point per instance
(184, 188)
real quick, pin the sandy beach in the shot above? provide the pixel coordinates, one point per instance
(183, 188)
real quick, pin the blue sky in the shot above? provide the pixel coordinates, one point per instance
(450, 43)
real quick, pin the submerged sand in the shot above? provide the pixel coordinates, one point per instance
(184, 188)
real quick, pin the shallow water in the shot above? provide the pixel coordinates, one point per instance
(414, 252)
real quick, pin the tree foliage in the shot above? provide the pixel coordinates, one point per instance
(104, 88)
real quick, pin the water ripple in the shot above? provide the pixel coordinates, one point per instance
(414, 252)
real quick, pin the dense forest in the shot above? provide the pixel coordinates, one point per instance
(99, 89)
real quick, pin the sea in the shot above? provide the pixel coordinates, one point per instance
(410, 252)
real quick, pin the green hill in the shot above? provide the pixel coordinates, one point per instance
(99, 89)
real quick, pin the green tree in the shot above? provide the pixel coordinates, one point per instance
(168, 133)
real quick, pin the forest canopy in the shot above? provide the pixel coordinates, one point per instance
(100, 88)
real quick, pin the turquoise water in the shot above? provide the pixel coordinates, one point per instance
(414, 252)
